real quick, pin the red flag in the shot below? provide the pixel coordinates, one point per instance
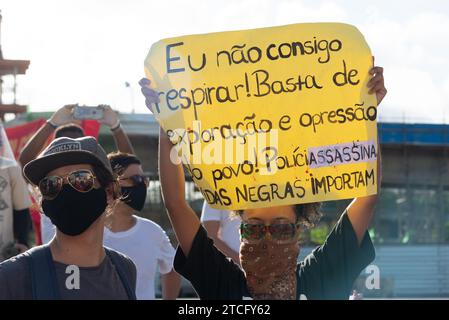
(18, 136)
(91, 128)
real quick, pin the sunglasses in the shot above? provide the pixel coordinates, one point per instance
(253, 232)
(80, 180)
(137, 179)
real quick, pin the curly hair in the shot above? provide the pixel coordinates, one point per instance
(308, 214)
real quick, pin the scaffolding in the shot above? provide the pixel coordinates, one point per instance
(10, 68)
(418, 160)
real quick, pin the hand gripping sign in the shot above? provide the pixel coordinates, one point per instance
(271, 116)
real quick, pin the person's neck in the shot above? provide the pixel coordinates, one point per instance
(84, 250)
(122, 218)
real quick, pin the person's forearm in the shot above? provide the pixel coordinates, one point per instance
(361, 210)
(227, 251)
(171, 174)
(183, 219)
(171, 283)
(21, 225)
(122, 141)
(379, 167)
(35, 144)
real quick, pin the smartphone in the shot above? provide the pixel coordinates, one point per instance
(88, 112)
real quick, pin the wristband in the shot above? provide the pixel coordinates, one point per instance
(52, 124)
(116, 126)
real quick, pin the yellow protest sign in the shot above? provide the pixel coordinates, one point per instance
(271, 116)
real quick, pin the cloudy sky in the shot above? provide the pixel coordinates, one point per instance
(85, 50)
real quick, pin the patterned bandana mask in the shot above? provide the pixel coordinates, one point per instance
(270, 269)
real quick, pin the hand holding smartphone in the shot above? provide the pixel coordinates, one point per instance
(88, 112)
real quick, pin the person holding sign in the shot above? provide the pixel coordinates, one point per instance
(312, 90)
(269, 247)
(272, 116)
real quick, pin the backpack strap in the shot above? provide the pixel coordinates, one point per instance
(44, 283)
(123, 272)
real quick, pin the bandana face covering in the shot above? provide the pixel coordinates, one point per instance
(270, 269)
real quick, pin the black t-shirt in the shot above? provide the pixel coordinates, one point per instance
(96, 283)
(328, 272)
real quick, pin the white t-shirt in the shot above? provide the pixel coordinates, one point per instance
(148, 247)
(229, 226)
(13, 196)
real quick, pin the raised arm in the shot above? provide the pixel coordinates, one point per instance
(122, 141)
(112, 120)
(35, 144)
(38, 140)
(183, 219)
(361, 210)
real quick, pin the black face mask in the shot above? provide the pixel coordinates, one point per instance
(72, 212)
(135, 196)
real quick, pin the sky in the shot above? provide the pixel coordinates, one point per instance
(84, 51)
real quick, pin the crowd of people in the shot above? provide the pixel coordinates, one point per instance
(96, 245)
